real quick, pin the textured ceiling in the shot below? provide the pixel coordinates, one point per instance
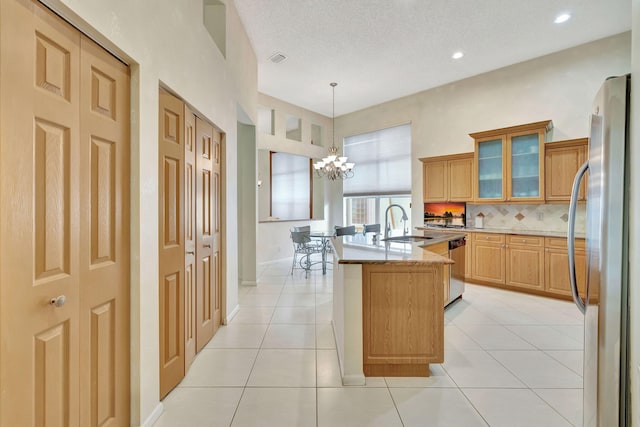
(378, 50)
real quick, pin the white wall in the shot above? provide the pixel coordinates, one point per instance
(560, 87)
(634, 232)
(247, 208)
(165, 42)
(273, 241)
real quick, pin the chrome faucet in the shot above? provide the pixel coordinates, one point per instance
(387, 226)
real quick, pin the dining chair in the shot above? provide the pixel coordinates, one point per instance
(345, 231)
(371, 228)
(306, 228)
(302, 245)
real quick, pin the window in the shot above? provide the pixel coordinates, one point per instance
(294, 127)
(215, 21)
(382, 177)
(290, 186)
(371, 210)
(266, 120)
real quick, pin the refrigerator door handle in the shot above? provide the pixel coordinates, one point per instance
(571, 236)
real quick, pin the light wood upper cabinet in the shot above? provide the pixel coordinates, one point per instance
(434, 181)
(562, 161)
(448, 178)
(509, 163)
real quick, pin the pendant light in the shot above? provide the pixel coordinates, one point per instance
(334, 166)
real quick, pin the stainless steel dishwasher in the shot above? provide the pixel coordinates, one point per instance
(456, 278)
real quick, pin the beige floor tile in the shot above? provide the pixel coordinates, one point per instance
(438, 378)
(220, 367)
(546, 337)
(495, 337)
(435, 407)
(293, 315)
(568, 402)
(537, 369)
(253, 315)
(238, 335)
(509, 408)
(572, 359)
(199, 407)
(284, 368)
(349, 407)
(474, 368)
(258, 300)
(277, 407)
(328, 369)
(324, 336)
(297, 300)
(290, 336)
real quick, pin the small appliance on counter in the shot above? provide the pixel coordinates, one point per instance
(479, 220)
(445, 215)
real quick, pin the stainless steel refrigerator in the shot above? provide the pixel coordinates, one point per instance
(606, 321)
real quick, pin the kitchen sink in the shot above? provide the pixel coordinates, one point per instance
(407, 238)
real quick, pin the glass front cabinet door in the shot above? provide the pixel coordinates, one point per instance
(490, 167)
(510, 163)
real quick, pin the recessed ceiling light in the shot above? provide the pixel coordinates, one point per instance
(562, 18)
(457, 55)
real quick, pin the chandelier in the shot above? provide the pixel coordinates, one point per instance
(334, 166)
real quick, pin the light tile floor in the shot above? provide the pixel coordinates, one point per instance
(510, 360)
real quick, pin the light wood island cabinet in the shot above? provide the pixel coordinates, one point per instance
(448, 178)
(562, 161)
(403, 319)
(509, 163)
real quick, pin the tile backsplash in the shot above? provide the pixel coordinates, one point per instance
(527, 217)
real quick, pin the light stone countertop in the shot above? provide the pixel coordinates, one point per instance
(359, 249)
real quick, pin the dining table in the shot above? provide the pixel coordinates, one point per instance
(323, 236)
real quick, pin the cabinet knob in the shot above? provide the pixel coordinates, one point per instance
(524, 241)
(191, 253)
(206, 246)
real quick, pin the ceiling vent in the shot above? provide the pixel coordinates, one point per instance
(277, 58)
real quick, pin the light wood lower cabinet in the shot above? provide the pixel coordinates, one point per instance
(557, 270)
(403, 319)
(525, 261)
(534, 264)
(488, 257)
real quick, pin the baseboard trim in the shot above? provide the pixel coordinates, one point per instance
(153, 417)
(231, 315)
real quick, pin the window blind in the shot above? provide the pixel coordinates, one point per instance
(383, 162)
(290, 186)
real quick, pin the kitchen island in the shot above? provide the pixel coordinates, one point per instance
(388, 312)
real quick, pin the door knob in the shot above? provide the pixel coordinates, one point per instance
(58, 301)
